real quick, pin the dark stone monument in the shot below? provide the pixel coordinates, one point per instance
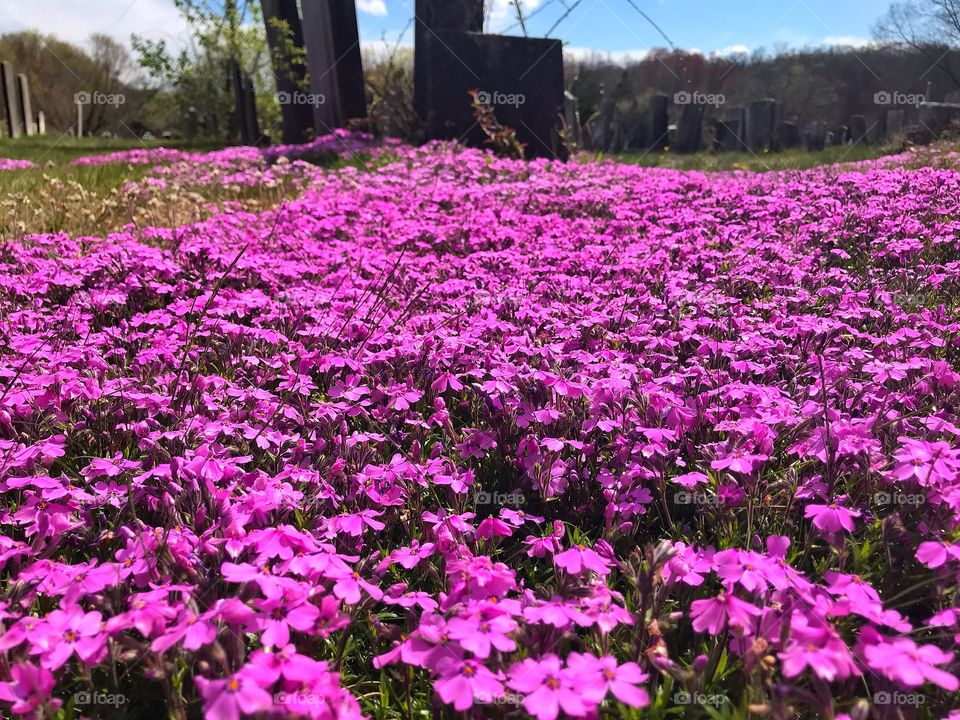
(829, 139)
(26, 107)
(689, 129)
(431, 16)
(636, 135)
(659, 122)
(334, 63)
(520, 78)
(297, 117)
(858, 129)
(874, 132)
(894, 123)
(317, 35)
(762, 121)
(732, 129)
(814, 137)
(786, 136)
(10, 101)
(349, 69)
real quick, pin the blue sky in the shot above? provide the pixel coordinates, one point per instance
(608, 26)
(613, 26)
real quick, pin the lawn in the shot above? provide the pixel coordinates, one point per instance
(760, 161)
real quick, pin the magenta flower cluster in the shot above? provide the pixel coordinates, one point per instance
(339, 142)
(11, 164)
(456, 433)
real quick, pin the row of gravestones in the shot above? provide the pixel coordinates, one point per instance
(520, 78)
(16, 109)
(757, 128)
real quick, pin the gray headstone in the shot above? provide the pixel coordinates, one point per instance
(635, 134)
(894, 123)
(858, 129)
(296, 114)
(787, 136)
(41, 123)
(689, 129)
(732, 129)
(814, 137)
(26, 107)
(829, 139)
(659, 122)
(762, 121)
(874, 129)
(520, 78)
(12, 114)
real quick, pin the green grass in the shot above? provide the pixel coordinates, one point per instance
(787, 160)
(61, 149)
(98, 179)
(53, 154)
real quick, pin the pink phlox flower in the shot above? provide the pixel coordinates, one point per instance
(462, 682)
(600, 676)
(831, 518)
(548, 688)
(580, 559)
(230, 698)
(478, 633)
(30, 687)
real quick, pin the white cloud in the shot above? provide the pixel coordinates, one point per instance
(846, 41)
(732, 50)
(503, 13)
(154, 19)
(617, 57)
(372, 7)
(508, 8)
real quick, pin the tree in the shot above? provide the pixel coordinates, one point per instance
(224, 31)
(58, 72)
(930, 27)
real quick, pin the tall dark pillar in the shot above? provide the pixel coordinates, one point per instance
(10, 99)
(26, 107)
(318, 36)
(346, 45)
(431, 16)
(659, 122)
(297, 116)
(334, 62)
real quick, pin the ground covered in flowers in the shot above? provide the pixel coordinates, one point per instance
(450, 434)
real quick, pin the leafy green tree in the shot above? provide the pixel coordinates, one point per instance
(223, 31)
